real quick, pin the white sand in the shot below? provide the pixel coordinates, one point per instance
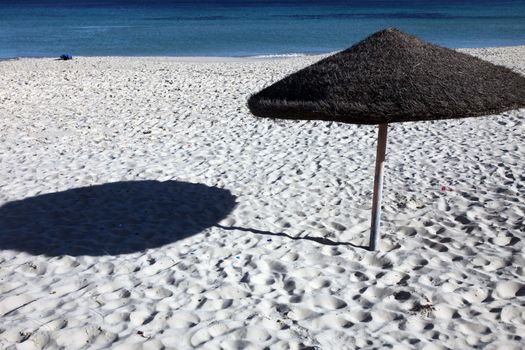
(118, 274)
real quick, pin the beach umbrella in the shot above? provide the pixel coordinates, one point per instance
(391, 77)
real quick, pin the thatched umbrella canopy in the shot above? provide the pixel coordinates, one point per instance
(391, 77)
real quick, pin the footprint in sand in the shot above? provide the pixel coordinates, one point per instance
(204, 335)
(475, 295)
(359, 316)
(327, 302)
(54, 325)
(510, 289)
(158, 293)
(37, 340)
(392, 278)
(298, 313)
(272, 266)
(105, 268)
(383, 316)
(512, 314)
(373, 292)
(320, 283)
(139, 317)
(117, 318)
(444, 312)
(32, 269)
(87, 336)
(183, 319)
(254, 334)
(215, 304)
(504, 240)
(331, 321)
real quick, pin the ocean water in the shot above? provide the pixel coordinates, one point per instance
(49, 28)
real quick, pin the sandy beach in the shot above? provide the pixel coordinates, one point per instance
(143, 207)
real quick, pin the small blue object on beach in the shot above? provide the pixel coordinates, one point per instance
(66, 57)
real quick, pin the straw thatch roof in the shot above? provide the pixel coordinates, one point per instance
(392, 77)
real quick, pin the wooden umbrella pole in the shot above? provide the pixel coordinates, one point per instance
(378, 187)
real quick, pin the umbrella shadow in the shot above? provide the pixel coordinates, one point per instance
(320, 240)
(113, 218)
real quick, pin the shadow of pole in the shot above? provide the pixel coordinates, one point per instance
(320, 240)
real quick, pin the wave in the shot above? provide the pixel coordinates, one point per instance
(392, 15)
(188, 18)
(104, 26)
(338, 16)
(281, 55)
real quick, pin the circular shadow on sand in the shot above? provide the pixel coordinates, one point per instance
(110, 219)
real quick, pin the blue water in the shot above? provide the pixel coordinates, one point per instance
(245, 28)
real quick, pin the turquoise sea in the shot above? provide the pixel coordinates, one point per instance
(244, 28)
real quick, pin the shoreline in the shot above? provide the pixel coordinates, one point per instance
(198, 58)
(221, 59)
